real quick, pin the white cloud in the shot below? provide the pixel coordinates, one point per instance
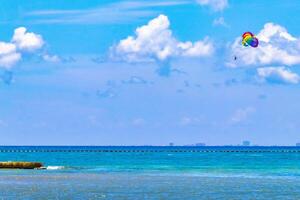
(241, 115)
(185, 121)
(120, 12)
(51, 58)
(22, 43)
(26, 41)
(220, 22)
(276, 47)
(270, 30)
(278, 74)
(155, 41)
(8, 55)
(216, 5)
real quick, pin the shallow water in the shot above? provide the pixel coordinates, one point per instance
(142, 186)
(153, 175)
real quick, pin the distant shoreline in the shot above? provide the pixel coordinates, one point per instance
(150, 149)
(175, 146)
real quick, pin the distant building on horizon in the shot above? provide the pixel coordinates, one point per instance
(171, 144)
(200, 144)
(246, 143)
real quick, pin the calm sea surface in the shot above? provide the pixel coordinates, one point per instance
(153, 173)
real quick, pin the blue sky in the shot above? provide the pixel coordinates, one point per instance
(148, 72)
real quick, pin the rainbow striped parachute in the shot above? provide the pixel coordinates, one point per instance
(249, 40)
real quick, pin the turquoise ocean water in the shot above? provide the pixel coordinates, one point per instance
(153, 173)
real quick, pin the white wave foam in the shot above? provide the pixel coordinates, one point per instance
(55, 167)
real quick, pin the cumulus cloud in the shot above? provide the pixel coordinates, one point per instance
(155, 42)
(276, 47)
(23, 43)
(216, 5)
(8, 55)
(27, 41)
(278, 75)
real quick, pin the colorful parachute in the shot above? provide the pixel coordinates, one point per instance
(249, 40)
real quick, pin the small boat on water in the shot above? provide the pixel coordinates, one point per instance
(21, 165)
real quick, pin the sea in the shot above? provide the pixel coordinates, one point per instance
(152, 172)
